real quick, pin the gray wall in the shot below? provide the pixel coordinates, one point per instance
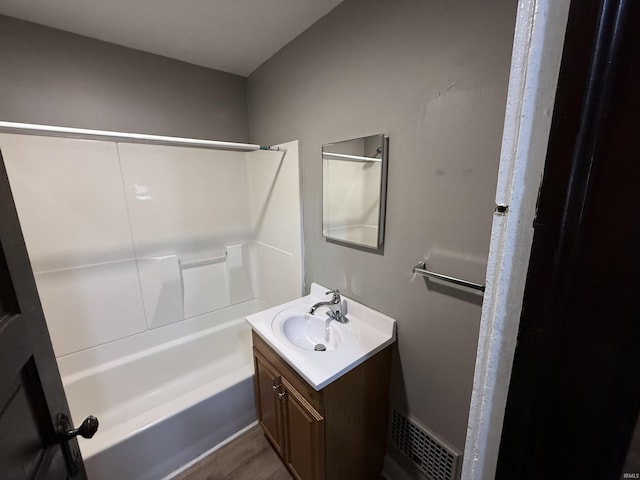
(57, 78)
(433, 76)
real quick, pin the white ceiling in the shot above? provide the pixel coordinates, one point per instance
(230, 35)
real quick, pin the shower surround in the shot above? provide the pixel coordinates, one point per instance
(147, 258)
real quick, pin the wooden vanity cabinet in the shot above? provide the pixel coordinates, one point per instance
(336, 433)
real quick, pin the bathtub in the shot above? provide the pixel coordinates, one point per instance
(165, 396)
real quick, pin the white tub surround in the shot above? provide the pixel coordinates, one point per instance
(125, 237)
(147, 259)
(366, 333)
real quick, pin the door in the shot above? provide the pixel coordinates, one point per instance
(34, 414)
(304, 435)
(574, 394)
(267, 386)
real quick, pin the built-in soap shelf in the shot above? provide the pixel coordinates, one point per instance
(175, 288)
(193, 263)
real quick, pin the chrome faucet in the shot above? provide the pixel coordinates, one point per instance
(335, 307)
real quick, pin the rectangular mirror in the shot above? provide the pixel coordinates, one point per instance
(354, 187)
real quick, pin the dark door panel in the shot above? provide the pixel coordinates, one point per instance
(31, 391)
(574, 393)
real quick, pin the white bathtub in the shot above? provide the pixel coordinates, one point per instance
(165, 396)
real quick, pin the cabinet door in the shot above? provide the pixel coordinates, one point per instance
(304, 435)
(267, 386)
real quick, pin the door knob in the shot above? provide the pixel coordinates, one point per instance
(87, 429)
(66, 432)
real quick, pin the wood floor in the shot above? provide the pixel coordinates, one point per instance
(248, 457)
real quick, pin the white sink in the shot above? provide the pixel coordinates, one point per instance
(294, 333)
(295, 325)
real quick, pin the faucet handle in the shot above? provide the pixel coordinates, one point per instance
(336, 295)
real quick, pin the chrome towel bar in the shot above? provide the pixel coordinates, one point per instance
(420, 269)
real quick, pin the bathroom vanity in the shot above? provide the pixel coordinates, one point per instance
(325, 412)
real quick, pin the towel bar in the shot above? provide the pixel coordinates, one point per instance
(420, 269)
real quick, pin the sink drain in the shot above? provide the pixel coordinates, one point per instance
(319, 347)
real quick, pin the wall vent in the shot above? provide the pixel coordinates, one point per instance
(432, 457)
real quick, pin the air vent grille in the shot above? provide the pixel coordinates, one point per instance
(436, 460)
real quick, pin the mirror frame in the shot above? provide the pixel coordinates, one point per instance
(379, 247)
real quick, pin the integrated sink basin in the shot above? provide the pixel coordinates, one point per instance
(296, 326)
(319, 348)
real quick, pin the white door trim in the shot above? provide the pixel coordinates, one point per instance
(535, 63)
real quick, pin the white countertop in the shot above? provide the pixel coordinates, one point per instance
(373, 331)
